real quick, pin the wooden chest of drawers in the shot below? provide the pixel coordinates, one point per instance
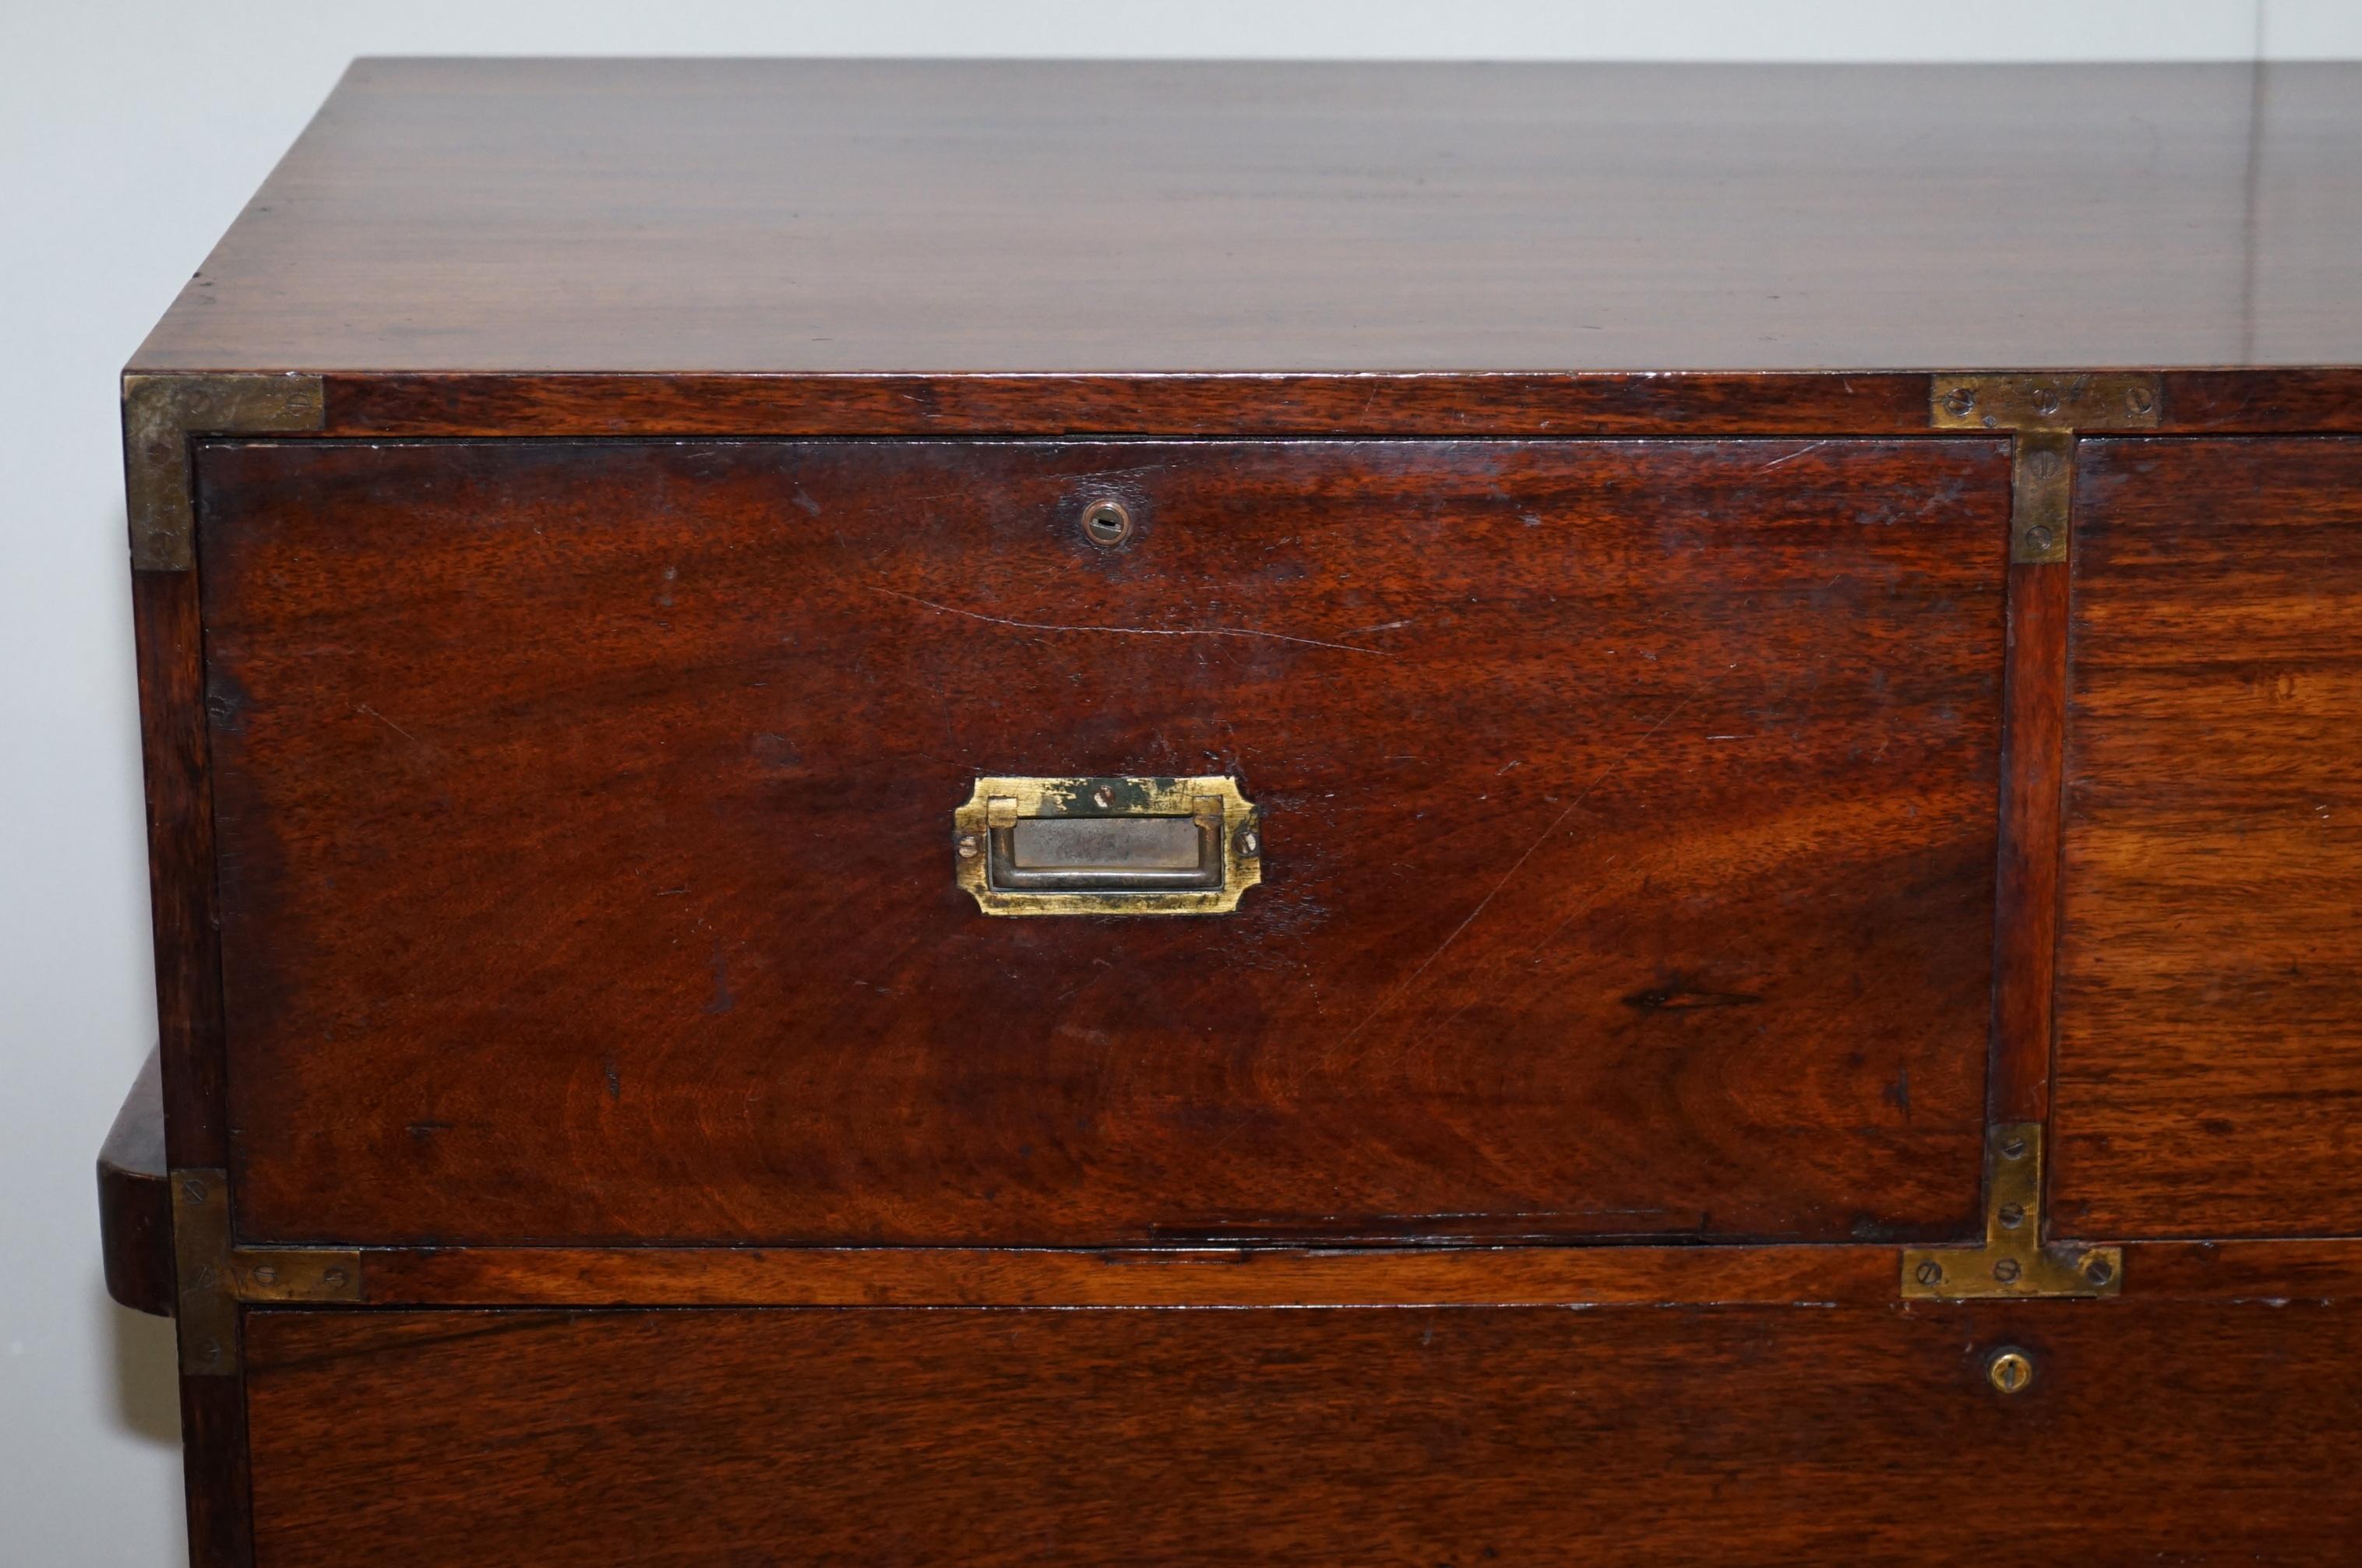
(1055, 814)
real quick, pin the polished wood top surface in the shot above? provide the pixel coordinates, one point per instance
(931, 217)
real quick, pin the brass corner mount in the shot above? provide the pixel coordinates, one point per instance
(214, 1277)
(160, 413)
(2045, 412)
(2014, 1262)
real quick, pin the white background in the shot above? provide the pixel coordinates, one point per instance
(130, 132)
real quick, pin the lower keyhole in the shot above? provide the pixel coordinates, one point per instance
(1107, 523)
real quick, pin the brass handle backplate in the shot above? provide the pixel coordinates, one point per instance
(1107, 847)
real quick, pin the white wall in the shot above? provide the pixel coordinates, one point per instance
(130, 131)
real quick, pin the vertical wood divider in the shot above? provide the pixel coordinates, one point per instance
(2034, 708)
(168, 619)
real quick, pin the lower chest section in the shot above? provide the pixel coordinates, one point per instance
(1532, 1436)
(1431, 1001)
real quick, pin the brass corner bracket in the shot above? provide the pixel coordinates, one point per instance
(2044, 413)
(160, 414)
(214, 1277)
(2014, 1262)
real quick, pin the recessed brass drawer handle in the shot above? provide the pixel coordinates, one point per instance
(1115, 845)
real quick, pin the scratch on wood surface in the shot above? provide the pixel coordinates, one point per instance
(1543, 837)
(1131, 631)
(1790, 457)
(388, 723)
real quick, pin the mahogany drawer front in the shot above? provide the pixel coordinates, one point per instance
(585, 870)
(2210, 1057)
(2180, 1431)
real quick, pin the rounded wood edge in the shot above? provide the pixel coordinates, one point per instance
(135, 1205)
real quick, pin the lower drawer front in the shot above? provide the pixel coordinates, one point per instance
(2152, 1431)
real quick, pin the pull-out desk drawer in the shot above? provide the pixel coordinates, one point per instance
(588, 868)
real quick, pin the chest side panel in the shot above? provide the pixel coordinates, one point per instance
(2210, 1055)
(587, 870)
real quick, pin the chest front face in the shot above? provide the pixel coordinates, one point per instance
(585, 813)
(1227, 931)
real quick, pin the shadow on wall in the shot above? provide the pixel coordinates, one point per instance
(146, 1374)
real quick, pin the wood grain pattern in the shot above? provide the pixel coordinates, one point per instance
(1275, 1276)
(1196, 1276)
(166, 618)
(2210, 1062)
(216, 1490)
(1757, 402)
(1350, 403)
(2272, 1271)
(134, 1210)
(929, 217)
(2246, 402)
(1721, 1436)
(2025, 927)
(585, 868)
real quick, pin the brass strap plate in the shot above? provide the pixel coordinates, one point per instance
(2105, 401)
(160, 414)
(206, 1313)
(2014, 1262)
(215, 1278)
(2041, 494)
(1113, 845)
(2044, 413)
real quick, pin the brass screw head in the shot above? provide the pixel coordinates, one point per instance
(2012, 1148)
(2099, 1270)
(2006, 1271)
(1103, 797)
(266, 1274)
(1248, 844)
(967, 846)
(192, 1189)
(1929, 1272)
(2010, 1371)
(2046, 400)
(2011, 1215)
(2140, 400)
(335, 1278)
(2038, 538)
(1959, 402)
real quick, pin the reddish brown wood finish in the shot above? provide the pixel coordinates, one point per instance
(1278, 1276)
(2263, 402)
(2272, 1272)
(134, 1208)
(928, 217)
(2210, 1063)
(2026, 932)
(1519, 1437)
(165, 616)
(214, 1472)
(584, 813)
(1374, 404)
(1603, 403)
(1243, 1276)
